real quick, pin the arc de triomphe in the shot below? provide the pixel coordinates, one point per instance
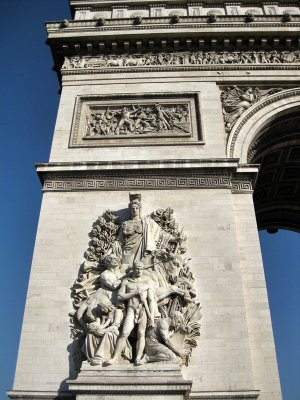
(173, 108)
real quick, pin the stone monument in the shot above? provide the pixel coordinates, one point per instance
(164, 105)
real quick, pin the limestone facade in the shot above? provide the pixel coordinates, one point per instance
(196, 165)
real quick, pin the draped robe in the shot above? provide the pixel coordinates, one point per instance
(133, 247)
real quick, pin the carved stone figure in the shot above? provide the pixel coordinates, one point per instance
(102, 332)
(101, 316)
(135, 289)
(85, 283)
(138, 236)
(139, 293)
(162, 118)
(236, 101)
(109, 278)
(159, 346)
(125, 120)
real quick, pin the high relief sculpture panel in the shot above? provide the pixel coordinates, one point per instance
(134, 298)
(143, 119)
(236, 100)
(135, 119)
(145, 104)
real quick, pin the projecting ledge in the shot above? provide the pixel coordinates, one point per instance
(133, 175)
(149, 379)
(230, 395)
(140, 164)
(39, 395)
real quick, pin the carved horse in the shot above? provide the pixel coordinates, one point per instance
(133, 62)
(116, 62)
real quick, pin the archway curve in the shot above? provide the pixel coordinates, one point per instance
(268, 134)
(252, 123)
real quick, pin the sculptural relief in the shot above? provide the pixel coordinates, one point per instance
(200, 58)
(139, 120)
(134, 299)
(236, 100)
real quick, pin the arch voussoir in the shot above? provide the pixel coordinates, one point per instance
(250, 125)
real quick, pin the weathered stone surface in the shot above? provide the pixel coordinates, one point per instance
(164, 380)
(196, 170)
(223, 349)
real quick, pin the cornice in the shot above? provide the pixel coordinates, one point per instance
(228, 32)
(39, 395)
(85, 38)
(140, 164)
(152, 380)
(130, 389)
(225, 396)
(237, 21)
(174, 174)
(89, 36)
(202, 2)
(211, 3)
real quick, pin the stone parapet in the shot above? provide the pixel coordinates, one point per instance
(90, 9)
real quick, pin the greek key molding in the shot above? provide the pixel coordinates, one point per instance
(238, 184)
(242, 185)
(257, 107)
(62, 184)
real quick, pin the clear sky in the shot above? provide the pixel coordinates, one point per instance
(29, 101)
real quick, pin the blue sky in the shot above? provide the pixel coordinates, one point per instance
(29, 101)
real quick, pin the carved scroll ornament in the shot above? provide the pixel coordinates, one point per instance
(200, 58)
(134, 298)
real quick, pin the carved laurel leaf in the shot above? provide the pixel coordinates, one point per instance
(166, 220)
(103, 234)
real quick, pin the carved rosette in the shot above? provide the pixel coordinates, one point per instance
(135, 282)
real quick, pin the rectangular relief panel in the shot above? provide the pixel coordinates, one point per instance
(135, 120)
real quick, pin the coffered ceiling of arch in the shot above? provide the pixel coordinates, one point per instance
(277, 191)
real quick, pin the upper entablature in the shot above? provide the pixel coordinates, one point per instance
(112, 30)
(118, 9)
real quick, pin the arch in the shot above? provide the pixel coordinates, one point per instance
(251, 124)
(268, 134)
